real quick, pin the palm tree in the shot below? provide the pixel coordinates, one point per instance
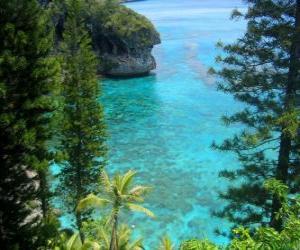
(124, 236)
(74, 243)
(119, 193)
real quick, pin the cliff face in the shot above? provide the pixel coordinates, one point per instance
(124, 40)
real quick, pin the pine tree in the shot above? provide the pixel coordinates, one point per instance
(261, 70)
(83, 126)
(29, 95)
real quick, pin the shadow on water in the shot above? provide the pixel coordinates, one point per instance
(128, 77)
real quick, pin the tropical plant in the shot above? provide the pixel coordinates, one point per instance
(119, 193)
(74, 243)
(264, 238)
(166, 244)
(267, 238)
(100, 232)
(196, 244)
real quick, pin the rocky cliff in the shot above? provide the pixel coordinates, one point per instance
(123, 41)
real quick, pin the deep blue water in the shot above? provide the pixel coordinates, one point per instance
(162, 125)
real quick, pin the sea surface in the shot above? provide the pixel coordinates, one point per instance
(162, 125)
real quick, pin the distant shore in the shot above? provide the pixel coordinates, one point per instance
(128, 1)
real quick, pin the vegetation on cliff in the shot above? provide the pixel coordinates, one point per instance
(130, 27)
(122, 38)
(119, 35)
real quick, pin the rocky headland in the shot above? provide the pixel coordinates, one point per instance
(122, 39)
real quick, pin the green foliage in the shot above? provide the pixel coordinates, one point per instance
(115, 23)
(83, 128)
(120, 194)
(48, 232)
(264, 238)
(100, 232)
(259, 70)
(29, 97)
(109, 22)
(267, 238)
(277, 188)
(166, 244)
(126, 24)
(196, 244)
(74, 243)
(290, 122)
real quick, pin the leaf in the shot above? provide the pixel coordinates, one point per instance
(106, 182)
(166, 244)
(138, 208)
(90, 245)
(74, 243)
(92, 201)
(104, 236)
(127, 180)
(196, 244)
(276, 187)
(136, 245)
(139, 190)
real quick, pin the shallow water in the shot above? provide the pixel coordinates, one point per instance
(162, 125)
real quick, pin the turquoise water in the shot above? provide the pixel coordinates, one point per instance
(162, 125)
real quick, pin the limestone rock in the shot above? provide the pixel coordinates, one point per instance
(124, 41)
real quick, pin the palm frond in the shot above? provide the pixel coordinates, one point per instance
(139, 190)
(166, 244)
(105, 181)
(92, 201)
(105, 237)
(90, 245)
(126, 181)
(136, 245)
(124, 234)
(117, 182)
(74, 242)
(132, 198)
(138, 208)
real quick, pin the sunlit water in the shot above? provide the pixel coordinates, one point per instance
(162, 125)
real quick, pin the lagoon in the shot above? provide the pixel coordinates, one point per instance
(162, 125)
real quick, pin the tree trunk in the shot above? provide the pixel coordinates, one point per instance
(78, 215)
(43, 191)
(292, 89)
(79, 225)
(114, 237)
(79, 196)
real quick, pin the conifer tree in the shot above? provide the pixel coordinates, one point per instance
(29, 95)
(261, 69)
(83, 126)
